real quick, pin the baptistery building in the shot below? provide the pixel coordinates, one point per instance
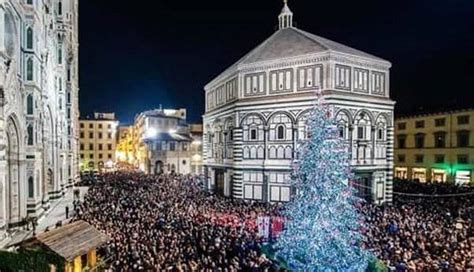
(256, 112)
(38, 106)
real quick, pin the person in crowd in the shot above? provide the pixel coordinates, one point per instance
(168, 223)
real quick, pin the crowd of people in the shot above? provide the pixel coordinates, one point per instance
(167, 223)
(428, 228)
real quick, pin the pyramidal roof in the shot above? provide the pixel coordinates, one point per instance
(293, 42)
(290, 41)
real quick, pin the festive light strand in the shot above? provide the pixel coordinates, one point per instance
(322, 229)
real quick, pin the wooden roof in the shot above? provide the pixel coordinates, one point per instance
(72, 240)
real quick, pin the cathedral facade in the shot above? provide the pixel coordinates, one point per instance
(256, 114)
(38, 106)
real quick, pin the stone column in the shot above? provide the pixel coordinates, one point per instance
(92, 258)
(78, 264)
(372, 150)
(265, 142)
(295, 140)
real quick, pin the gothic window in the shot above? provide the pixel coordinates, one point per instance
(280, 127)
(380, 134)
(253, 134)
(60, 8)
(252, 128)
(343, 77)
(31, 187)
(29, 38)
(29, 69)
(381, 128)
(363, 123)
(343, 123)
(30, 134)
(281, 132)
(29, 104)
(60, 53)
(303, 128)
(341, 132)
(360, 133)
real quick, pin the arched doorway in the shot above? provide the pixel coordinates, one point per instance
(13, 172)
(158, 167)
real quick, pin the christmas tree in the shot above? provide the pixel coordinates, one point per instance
(322, 228)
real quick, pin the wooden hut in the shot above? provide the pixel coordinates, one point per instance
(72, 243)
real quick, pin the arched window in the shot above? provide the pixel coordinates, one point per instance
(252, 128)
(253, 134)
(60, 8)
(31, 187)
(30, 134)
(280, 127)
(29, 69)
(29, 38)
(281, 132)
(29, 104)
(60, 53)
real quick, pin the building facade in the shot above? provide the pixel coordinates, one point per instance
(256, 113)
(164, 143)
(38, 105)
(436, 147)
(125, 151)
(98, 141)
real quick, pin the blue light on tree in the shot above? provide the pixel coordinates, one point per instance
(322, 228)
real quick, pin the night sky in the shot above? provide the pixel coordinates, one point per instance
(136, 55)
